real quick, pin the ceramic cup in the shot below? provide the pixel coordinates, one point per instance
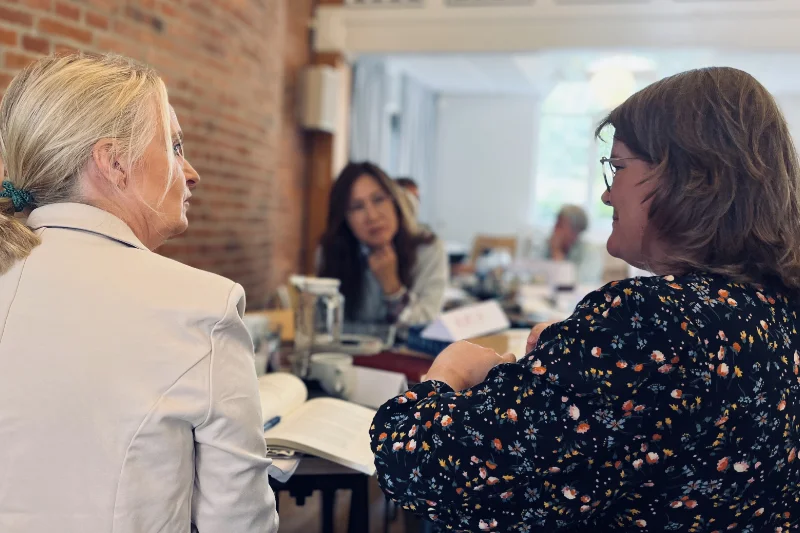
(334, 371)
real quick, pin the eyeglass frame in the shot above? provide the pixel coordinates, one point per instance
(610, 161)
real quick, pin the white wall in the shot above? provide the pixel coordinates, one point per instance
(485, 162)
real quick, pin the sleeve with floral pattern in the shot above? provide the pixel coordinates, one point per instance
(546, 442)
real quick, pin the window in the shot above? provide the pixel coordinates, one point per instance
(562, 165)
(567, 159)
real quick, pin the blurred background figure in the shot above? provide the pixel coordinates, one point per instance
(390, 270)
(409, 185)
(565, 241)
(410, 190)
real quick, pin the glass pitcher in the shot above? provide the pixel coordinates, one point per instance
(319, 315)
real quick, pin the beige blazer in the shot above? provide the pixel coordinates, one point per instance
(128, 394)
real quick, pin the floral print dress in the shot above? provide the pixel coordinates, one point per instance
(661, 404)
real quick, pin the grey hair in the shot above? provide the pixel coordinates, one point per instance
(576, 217)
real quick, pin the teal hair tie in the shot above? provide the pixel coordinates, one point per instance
(20, 198)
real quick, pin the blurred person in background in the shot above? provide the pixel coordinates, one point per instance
(565, 242)
(411, 192)
(410, 189)
(391, 271)
(409, 185)
(665, 403)
(128, 393)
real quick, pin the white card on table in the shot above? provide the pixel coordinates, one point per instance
(373, 387)
(467, 322)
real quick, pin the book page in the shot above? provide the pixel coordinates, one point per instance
(281, 393)
(329, 428)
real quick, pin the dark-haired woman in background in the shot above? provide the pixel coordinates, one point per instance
(390, 270)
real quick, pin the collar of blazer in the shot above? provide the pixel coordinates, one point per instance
(84, 218)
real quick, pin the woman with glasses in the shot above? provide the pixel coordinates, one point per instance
(391, 272)
(667, 403)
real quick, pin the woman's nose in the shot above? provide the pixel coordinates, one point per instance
(372, 211)
(606, 197)
(192, 177)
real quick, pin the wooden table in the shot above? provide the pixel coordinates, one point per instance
(315, 473)
(415, 365)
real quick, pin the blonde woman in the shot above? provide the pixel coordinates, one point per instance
(128, 397)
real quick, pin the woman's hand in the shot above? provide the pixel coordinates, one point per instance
(383, 263)
(463, 365)
(536, 332)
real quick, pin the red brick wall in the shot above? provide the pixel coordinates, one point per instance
(293, 144)
(231, 69)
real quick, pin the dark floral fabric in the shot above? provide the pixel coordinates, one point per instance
(661, 404)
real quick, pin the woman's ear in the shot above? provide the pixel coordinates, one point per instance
(105, 156)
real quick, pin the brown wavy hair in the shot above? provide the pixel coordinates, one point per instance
(341, 251)
(726, 170)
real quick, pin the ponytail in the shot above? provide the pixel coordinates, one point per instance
(16, 239)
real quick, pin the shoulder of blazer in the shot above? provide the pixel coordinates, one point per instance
(163, 270)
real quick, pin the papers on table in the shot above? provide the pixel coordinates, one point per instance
(455, 295)
(466, 322)
(283, 469)
(373, 387)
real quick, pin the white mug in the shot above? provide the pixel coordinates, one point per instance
(334, 371)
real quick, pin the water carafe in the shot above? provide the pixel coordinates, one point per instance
(319, 315)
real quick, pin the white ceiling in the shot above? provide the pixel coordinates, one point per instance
(538, 72)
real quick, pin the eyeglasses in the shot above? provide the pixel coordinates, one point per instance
(610, 169)
(359, 208)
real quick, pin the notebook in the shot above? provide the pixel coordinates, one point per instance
(329, 428)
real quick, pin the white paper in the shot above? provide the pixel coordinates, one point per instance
(283, 469)
(535, 300)
(467, 322)
(455, 294)
(373, 387)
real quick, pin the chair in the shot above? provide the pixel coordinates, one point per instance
(488, 242)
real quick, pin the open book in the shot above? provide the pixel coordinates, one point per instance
(325, 427)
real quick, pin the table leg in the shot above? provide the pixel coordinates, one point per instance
(328, 501)
(359, 506)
